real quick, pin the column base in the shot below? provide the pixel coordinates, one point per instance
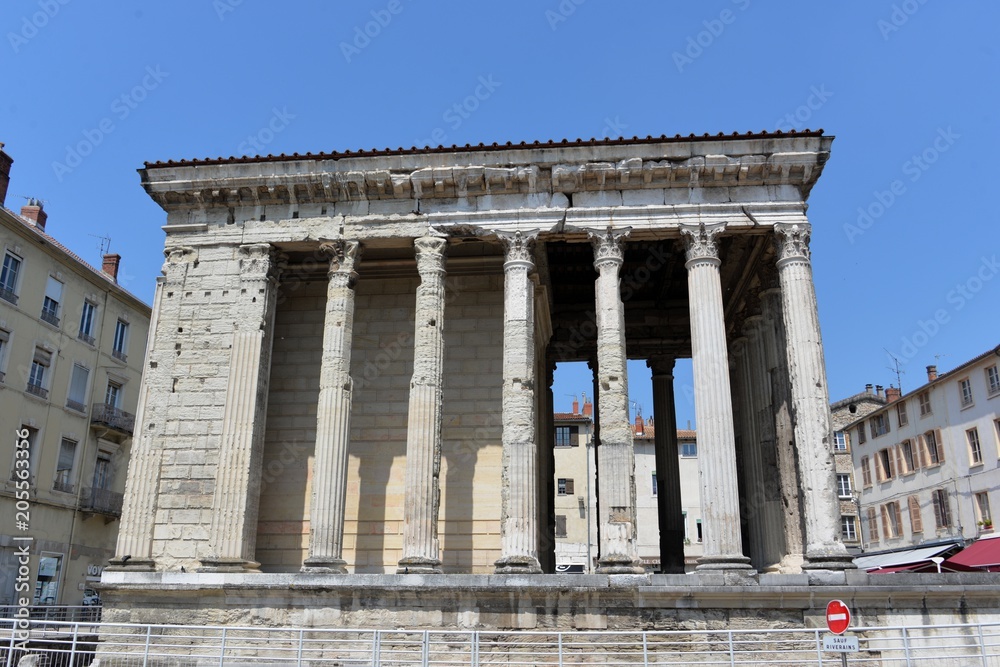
(130, 564)
(734, 563)
(226, 564)
(518, 565)
(418, 565)
(791, 564)
(829, 561)
(324, 566)
(619, 565)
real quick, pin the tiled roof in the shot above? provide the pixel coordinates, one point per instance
(565, 143)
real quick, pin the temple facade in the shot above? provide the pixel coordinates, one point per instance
(350, 362)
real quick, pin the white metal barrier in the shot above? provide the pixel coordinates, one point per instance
(79, 644)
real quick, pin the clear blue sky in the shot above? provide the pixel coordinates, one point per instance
(129, 81)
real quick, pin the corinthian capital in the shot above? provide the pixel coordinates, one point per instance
(257, 260)
(517, 246)
(343, 255)
(700, 240)
(608, 246)
(430, 254)
(793, 240)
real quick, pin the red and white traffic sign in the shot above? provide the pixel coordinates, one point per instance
(838, 617)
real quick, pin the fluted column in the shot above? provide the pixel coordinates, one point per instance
(519, 478)
(670, 513)
(237, 487)
(333, 414)
(781, 416)
(810, 401)
(723, 548)
(616, 513)
(423, 435)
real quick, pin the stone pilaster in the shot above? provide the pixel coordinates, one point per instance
(784, 434)
(670, 512)
(423, 435)
(333, 414)
(237, 487)
(810, 400)
(723, 548)
(616, 511)
(519, 479)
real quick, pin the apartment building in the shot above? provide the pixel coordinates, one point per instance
(71, 352)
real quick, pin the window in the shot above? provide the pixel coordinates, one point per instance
(983, 514)
(924, 399)
(689, 450)
(120, 345)
(848, 528)
(8, 277)
(872, 525)
(965, 392)
(564, 436)
(87, 323)
(77, 396)
(861, 433)
(901, 417)
(933, 450)
(890, 520)
(843, 485)
(942, 512)
(47, 578)
(565, 485)
(26, 457)
(50, 306)
(975, 451)
(880, 424)
(4, 344)
(866, 472)
(654, 483)
(697, 525)
(103, 472)
(560, 525)
(906, 457)
(113, 398)
(916, 520)
(839, 441)
(37, 376)
(992, 380)
(884, 468)
(64, 466)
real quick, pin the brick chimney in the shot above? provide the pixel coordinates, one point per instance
(576, 406)
(110, 266)
(931, 373)
(33, 211)
(588, 407)
(5, 162)
(892, 394)
(639, 430)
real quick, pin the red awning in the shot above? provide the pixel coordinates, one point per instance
(983, 554)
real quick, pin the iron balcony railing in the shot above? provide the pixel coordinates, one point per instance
(86, 338)
(8, 295)
(75, 405)
(113, 418)
(37, 390)
(63, 485)
(101, 501)
(119, 355)
(50, 316)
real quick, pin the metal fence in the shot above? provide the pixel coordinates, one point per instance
(73, 644)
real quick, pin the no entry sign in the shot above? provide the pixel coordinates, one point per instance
(838, 617)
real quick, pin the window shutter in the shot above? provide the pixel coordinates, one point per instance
(922, 451)
(936, 502)
(53, 289)
(569, 487)
(78, 384)
(871, 424)
(885, 521)
(899, 459)
(940, 445)
(916, 521)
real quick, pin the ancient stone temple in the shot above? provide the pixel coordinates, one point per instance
(350, 366)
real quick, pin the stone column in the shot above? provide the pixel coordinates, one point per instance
(333, 414)
(781, 416)
(519, 480)
(237, 488)
(616, 512)
(810, 401)
(423, 436)
(713, 404)
(670, 513)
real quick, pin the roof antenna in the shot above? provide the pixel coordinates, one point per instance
(897, 370)
(105, 245)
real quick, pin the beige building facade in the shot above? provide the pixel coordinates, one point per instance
(71, 349)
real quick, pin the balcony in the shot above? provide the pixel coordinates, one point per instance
(63, 485)
(119, 355)
(76, 405)
(37, 390)
(86, 338)
(8, 295)
(108, 416)
(101, 501)
(49, 315)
